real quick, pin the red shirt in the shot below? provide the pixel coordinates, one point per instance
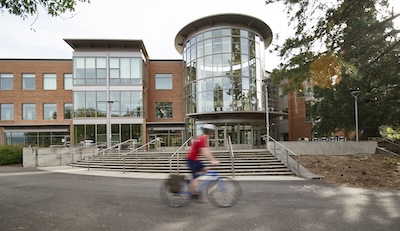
(199, 142)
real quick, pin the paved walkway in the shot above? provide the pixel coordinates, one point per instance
(111, 173)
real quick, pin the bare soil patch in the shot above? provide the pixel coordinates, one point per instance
(368, 171)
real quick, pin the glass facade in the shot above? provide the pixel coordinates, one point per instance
(224, 71)
(109, 85)
(98, 133)
(35, 138)
(94, 103)
(223, 75)
(93, 70)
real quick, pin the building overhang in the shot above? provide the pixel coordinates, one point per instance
(107, 44)
(239, 20)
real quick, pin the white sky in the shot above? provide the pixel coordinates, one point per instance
(156, 22)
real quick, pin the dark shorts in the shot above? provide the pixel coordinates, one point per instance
(196, 167)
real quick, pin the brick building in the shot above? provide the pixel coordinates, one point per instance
(111, 90)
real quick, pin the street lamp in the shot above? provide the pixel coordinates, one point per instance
(109, 103)
(355, 95)
(266, 81)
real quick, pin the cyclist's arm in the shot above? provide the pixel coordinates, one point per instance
(205, 151)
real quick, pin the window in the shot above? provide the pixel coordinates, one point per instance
(68, 109)
(67, 81)
(28, 81)
(164, 110)
(163, 81)
(6, 81)
(28, 111)
(49, 111)
(49, 81)
(6, 112)
(94, 103)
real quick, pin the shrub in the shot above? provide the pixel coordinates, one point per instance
(10, 154)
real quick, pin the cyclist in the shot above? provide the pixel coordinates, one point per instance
(200, 147)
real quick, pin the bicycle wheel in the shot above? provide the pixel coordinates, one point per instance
(223, 192)
(179, 199)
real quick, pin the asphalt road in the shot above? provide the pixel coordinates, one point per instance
(32, 199)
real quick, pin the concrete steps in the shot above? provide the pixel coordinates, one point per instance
(246, 162)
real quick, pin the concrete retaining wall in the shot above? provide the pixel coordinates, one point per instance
(328, 147)
(54, 156)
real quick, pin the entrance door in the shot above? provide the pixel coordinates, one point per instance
(220, 138)
(152, 146)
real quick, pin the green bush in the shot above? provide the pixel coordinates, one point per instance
(10, 154)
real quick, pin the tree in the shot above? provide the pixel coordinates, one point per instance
(340, 45)
(26, 8)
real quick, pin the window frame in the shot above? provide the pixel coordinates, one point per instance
(3, 111)
(3, 77)
(26, 76)
(164, 105)
(161, 85)
(25, 111)
(52, 77)
(49, 108)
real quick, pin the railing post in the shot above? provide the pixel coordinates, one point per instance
(287, 157)
(124, 162)
(177, 161)
(136, 159)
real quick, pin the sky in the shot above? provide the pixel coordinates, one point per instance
(156, 22)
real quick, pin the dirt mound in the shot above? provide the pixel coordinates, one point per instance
(369, 171)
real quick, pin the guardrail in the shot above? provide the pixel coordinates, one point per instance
(288, 152)
(118, 146)
(388, 145)
(176, 153)
(232, 156)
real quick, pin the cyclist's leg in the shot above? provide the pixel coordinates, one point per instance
(197, 168)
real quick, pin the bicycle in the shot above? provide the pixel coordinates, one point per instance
(220, 191)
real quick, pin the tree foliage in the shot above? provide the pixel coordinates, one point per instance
(340, 45)
(26, 8)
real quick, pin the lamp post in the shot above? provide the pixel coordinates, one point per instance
(109, 103)
(266, 81)
(355, 95)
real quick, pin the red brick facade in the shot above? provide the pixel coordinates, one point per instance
(37, 96)
(175, 95)
(298, 126)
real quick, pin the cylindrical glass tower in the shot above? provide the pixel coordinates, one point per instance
(224, 69)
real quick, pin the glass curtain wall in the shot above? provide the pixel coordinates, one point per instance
(98, 133)
(107, 75)
(224, 71)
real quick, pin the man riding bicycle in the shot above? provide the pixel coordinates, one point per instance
(200, 147)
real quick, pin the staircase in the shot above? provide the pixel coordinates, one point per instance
(255, 162)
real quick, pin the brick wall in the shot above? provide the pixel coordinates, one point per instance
(37, 96)
(298, 127)
(175, 95)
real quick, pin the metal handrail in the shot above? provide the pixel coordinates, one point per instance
(287, 154)
(103, 151)
(393, 147)
(232, 156)
(177, 155)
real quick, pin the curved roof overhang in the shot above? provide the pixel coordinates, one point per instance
(223, 20)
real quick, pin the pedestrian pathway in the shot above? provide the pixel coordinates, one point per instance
(110, 173)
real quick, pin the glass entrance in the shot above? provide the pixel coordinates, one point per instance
(220, 138)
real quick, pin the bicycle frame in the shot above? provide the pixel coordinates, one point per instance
(212, 175)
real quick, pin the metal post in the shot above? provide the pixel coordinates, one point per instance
(355, 95)
(266, 112)
(109, 102)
